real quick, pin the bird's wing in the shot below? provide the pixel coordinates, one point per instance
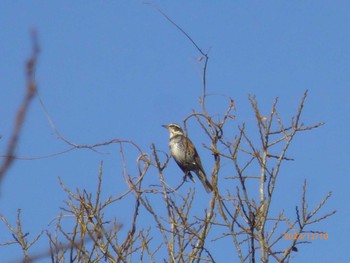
(198, 162)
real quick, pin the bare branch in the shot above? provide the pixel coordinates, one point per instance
(23, 109)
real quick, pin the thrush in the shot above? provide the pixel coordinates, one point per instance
(186, 156)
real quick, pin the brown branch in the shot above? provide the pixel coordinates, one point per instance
(23, 109)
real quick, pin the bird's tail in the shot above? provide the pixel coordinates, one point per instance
(203, 178)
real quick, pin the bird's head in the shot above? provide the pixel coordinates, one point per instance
(174, 129)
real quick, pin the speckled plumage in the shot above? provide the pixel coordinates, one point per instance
(186, 156)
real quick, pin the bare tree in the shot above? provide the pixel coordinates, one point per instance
(241, 216)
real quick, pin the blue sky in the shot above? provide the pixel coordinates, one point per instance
(118, 69)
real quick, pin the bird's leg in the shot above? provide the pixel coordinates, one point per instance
(188, 175)
(185, 176)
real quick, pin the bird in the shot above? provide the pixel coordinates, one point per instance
(186, 156)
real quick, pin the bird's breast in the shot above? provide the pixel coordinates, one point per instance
(181, 151)
(177, 150)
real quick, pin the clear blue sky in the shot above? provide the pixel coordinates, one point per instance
(118, 69)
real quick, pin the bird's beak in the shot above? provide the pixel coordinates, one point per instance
(165, 126)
